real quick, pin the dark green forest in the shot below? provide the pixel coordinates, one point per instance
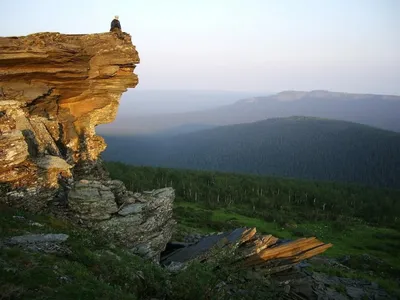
(296, 147)
(269, 198)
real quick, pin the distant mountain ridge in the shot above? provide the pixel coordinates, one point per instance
(301, 147)
(323, 94)
(380, 111)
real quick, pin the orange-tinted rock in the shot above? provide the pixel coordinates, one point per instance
(54, 89)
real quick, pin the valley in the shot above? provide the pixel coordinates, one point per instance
(296, 147)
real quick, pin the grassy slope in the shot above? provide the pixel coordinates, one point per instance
(95, 269)
(382, 242)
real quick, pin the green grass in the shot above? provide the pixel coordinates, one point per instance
(359, 239)
(202, 220)
(96, 269)
(92, 269)
(354, 239)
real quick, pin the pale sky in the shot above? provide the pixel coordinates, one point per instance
(238, 45)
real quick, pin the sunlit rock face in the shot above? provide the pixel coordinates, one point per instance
(54, 89)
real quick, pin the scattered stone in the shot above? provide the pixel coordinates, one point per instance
(355, 292)
(36, 224)
(174, 266)
(30, 222)
(37, 238)
(323, 286)
(47, 243)
(286, 289)
(64, 279)
(10, 270)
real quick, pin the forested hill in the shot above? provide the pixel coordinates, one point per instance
(298, 147)
(270, 198)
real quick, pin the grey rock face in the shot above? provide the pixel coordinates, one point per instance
(91, 200)
(144, 227)
(140, 221)
(134, 208)
(119, 190)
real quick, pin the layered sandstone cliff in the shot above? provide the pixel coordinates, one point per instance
(54, 90)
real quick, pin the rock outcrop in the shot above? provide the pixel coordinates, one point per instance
(141, 222)
(54, 90)
(248, 250)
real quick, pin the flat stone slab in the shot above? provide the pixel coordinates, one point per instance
(205, 244)
(37, 238)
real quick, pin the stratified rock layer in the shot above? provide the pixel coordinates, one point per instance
(54, 90)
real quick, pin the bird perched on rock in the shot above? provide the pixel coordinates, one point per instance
(115, 24)
(116, 27)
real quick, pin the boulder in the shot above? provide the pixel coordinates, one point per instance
(144, 227)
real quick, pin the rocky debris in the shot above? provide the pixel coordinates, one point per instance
(314, 285)
(143, 222)
(30, 222)
(47, 243)
(266, 254)
(370, 265)
(302, 283)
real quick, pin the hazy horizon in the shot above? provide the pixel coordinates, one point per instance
(254, 93)
(257, 45)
